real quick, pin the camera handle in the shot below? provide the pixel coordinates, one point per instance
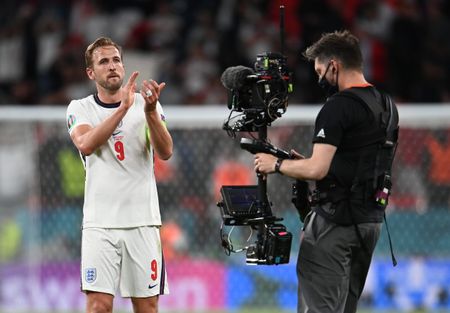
(258, 146)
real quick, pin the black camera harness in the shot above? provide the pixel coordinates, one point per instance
(386, 113)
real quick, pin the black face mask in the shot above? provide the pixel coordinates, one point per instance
(325, 84)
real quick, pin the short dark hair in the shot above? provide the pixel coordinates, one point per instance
(340, 45)
(99, 42)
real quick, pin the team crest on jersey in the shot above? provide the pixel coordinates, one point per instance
(90, 274)
(71, 120)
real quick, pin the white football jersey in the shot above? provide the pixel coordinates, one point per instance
(120, 188)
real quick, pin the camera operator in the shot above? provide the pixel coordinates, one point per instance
(342, 229)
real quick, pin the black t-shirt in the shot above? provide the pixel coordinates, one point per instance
(340, 119)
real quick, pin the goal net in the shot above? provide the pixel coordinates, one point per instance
(41, 198)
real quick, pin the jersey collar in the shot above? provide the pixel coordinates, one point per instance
(105, 105)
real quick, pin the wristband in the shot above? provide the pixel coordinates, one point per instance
(278, 164)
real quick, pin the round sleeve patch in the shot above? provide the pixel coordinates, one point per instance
(71, 121)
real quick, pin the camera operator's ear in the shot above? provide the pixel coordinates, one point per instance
(334, 66)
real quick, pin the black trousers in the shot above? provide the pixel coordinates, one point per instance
(332, 265)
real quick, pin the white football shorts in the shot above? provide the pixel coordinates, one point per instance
(128, 259)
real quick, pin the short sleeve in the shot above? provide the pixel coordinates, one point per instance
(339, 118)
(161, 113)
(76, 115)
(330, 123)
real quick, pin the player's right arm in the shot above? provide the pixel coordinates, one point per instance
(87, 139)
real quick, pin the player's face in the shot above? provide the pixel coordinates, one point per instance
(107, 68)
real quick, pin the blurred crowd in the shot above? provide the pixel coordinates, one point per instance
(191, 42)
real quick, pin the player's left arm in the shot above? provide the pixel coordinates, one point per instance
(160, 137)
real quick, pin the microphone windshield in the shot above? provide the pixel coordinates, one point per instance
(235, 77)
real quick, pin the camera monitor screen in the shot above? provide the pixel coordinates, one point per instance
(239, 202)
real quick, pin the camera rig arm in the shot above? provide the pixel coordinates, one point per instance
(258, 146)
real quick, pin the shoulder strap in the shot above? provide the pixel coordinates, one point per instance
(389, 122)
(392, 128)
(372, 101)
(376, 104)
(382, 105)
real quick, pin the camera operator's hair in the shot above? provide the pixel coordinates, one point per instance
(99, 42)
(341, 45)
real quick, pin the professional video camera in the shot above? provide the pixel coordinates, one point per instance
(257, 98)
(260, 95)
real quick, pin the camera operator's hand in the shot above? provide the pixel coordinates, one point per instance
(265, 163)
